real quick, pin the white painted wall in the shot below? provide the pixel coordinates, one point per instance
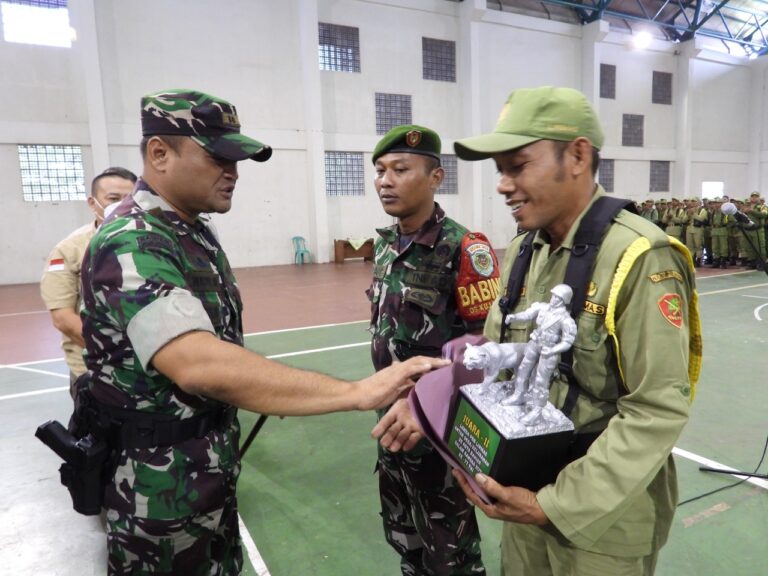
(251, 51)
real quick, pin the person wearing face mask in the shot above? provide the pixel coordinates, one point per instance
(60, 284)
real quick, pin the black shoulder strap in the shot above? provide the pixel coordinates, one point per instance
(515, 281)
(586, 244)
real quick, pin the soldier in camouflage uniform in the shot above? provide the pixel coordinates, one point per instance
(163, 330)
(422, 295)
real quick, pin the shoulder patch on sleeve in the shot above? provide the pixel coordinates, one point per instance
(149, 242)
(665, 275)
(477, 285)
(671, 307)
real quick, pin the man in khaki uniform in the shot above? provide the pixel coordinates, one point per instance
(719, 223)
(609, 511)
(60, 285)
(675, 219)
(696, 220)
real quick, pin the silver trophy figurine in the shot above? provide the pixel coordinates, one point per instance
(519, 407)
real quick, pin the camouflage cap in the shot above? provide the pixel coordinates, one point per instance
(409, 138)
(211, 122)
(755, 193)
(531, 114)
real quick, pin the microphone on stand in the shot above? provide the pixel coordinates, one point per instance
(729, 209)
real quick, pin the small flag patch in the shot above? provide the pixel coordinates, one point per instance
(56, 265)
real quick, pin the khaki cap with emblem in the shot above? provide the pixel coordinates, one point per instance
(209, 121)
(531, 114)
(410, 138)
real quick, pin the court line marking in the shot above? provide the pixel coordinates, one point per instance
(36, 371)
(34, 393)
(305, 328)
(736, 289)
(713, 464)
(253, 552)
(58, 389)
(315, 350)
(244, 335)
(8, 314)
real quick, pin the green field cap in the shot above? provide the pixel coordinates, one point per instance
(532, 114)
(211, 122)
(409, 138)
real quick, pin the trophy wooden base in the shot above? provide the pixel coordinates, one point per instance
(489, 438)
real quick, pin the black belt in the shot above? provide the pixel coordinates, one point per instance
(134, 429)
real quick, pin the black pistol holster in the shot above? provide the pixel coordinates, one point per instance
(97, 434)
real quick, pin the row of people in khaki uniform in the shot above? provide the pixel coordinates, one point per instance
(714, 238)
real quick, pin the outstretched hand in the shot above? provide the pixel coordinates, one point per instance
(385, 386)
(398, 429)
(511, 503)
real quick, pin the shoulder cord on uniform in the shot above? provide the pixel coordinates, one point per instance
(695, 342)
(635, 250)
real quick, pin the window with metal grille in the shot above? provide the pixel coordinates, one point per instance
(41, 22)
(605, 174)
(344, 174)
(339, 48)
(51, 173)
(632, 130)
(392, 110)
(438, 59)
(662, 88)
(659, 176)
(608, 81)
(450, 183)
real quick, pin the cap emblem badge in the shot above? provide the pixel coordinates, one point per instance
(413, 138)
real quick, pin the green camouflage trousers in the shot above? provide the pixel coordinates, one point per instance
(427, 518)
(205, 544)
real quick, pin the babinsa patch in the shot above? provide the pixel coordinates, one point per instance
(671, 307)
(477, 285)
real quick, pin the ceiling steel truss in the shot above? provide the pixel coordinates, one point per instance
(741, 22)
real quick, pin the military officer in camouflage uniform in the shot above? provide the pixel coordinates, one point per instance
(609, 511)
(162, 322)
(423, 295)
(60, 284)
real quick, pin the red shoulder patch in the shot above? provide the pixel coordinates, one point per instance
(671, 306)
(477, 285)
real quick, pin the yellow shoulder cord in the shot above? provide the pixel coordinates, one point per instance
(695, 342)
(638, 247)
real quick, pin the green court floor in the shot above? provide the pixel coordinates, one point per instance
(308, 494)
(309, 498)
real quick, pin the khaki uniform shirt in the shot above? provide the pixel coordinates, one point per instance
(60, 285)
(620, 497)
